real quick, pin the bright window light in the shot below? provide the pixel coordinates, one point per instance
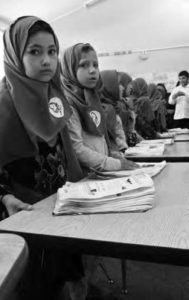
(1, 56)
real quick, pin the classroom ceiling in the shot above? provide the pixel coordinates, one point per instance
(110, 25)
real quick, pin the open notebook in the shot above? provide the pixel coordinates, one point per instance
(123, 194)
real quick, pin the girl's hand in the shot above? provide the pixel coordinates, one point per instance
(128, 165)
(13, 205)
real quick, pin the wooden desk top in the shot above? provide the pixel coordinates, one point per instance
(160, 234)
(182, 137)
(176, 152)
(13, 257)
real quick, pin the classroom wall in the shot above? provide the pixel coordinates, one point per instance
(159, 66)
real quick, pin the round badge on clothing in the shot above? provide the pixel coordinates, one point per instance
(96, 117)
(56, 107)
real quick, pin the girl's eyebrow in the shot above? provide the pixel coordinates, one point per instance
(40, 46)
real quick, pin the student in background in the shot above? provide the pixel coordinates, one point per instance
(180, 98)
(124, 80)
(158, 107)
(36, 154)
(87, 125)
(110, 97)
(138, 100)
(170, 109)
(127, 114)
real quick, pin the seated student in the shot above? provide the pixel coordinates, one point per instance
(138, 100)
(124, 80)
(127, 114)
(129, 124)
(158, 107)
(170, 109)
(87, 125)
(110, 97)
(36, 154)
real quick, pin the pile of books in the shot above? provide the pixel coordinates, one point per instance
(146, 149)
(152, 169)
(121, 194)
(168, 141)
(179, 131)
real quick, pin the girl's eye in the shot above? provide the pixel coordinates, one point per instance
(84, 65)
(34, 52)
(95, 65)
(52, 51)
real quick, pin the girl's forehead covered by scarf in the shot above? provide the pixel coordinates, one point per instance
(153, 91)
(125, 79)
(139, 87)
(110, 89)
(15, 40)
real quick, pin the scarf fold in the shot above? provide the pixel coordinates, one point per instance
(86, 101)
(25, 103)
(109, 98)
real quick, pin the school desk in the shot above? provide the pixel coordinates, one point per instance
(182, 137)
(160, 234)
(13, 259)
(176, 152)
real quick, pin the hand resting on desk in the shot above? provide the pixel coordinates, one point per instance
(128, 164)
(13, 205)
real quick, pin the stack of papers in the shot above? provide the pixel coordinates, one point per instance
(178, 130)
(157, 141)
(145, 150)
(166, 135)
(133, 193)
(152, 169)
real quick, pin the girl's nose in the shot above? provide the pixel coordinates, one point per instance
(92, 69)
(46, 60)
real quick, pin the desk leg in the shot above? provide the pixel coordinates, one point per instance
(124, 276)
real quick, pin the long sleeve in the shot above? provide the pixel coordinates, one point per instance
(171, 100)
(91, 150)
(120, 134)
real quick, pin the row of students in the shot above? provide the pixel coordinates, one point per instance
(58, 122)
(52, 129)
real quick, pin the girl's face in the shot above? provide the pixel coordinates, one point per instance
(88, 72)
(40, 57)
(129, 89)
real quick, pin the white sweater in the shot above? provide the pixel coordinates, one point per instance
(181, 102)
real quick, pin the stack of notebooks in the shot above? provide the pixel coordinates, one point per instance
(146, 149)
(178, 131)
(120, 191)
(168, 141)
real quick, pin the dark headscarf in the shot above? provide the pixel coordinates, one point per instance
(24, 102)
(86, 101)
(125, 79)
(141, 101)
(109, 98)
(157, 106)
(110, 90)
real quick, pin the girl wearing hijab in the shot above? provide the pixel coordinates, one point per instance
(110, 98)
(87, 125)
(114, 88)
(139, 101)
(36, 155)
(158, 107)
